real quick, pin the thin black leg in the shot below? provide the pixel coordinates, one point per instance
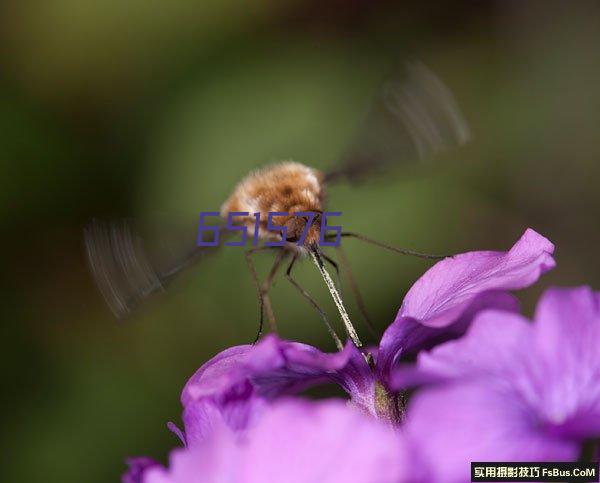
(306, 295)
(403, 251)
(266, 286)
(261, 300)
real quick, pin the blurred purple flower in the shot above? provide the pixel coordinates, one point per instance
(295, 441)
(233, 388)
(510, 390)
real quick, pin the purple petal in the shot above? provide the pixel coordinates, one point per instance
(214, 377)
(137, 468)
(552, 367)
(212, 461)
(567, 359)
(213, 398)
(414, 336)
(447, 289)
(572, 311)
(272, 367)
(496, 343)
(233, 387)
(296, 441)
(203, 417)
(455, 289)
(326, 442)
(407, 336)
(450, 426)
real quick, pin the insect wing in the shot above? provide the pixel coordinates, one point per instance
(408, 120)
(131, 261)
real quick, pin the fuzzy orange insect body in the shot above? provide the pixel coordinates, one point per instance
(288, 187)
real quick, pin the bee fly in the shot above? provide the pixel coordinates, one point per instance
(408, 120)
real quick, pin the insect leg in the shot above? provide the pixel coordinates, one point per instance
(403, 251)
(305, 294)
(355, 291)
(266, 286)
(261, 301)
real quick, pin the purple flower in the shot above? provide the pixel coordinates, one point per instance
(238, 429)
(234, 387)
(295, 441)
(509, 389)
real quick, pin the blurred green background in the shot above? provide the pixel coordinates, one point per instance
(133, 108)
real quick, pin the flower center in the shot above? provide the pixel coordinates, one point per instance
(388, 406)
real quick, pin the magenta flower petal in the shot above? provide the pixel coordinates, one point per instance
(297, 442)
(493, 343)
(232, 388)
(412, 335)
(203, 417)
(212, 461)
(553, 365)
(567, 322)
(214, 397)
(137, 469)
(565, 345)
(407, 336)
(215, 376)
(272, 367)
(446, 290)
(450, 426)
(455, 289)
(326, 442)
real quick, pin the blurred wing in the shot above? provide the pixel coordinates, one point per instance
(408, 120)
(128, 268)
